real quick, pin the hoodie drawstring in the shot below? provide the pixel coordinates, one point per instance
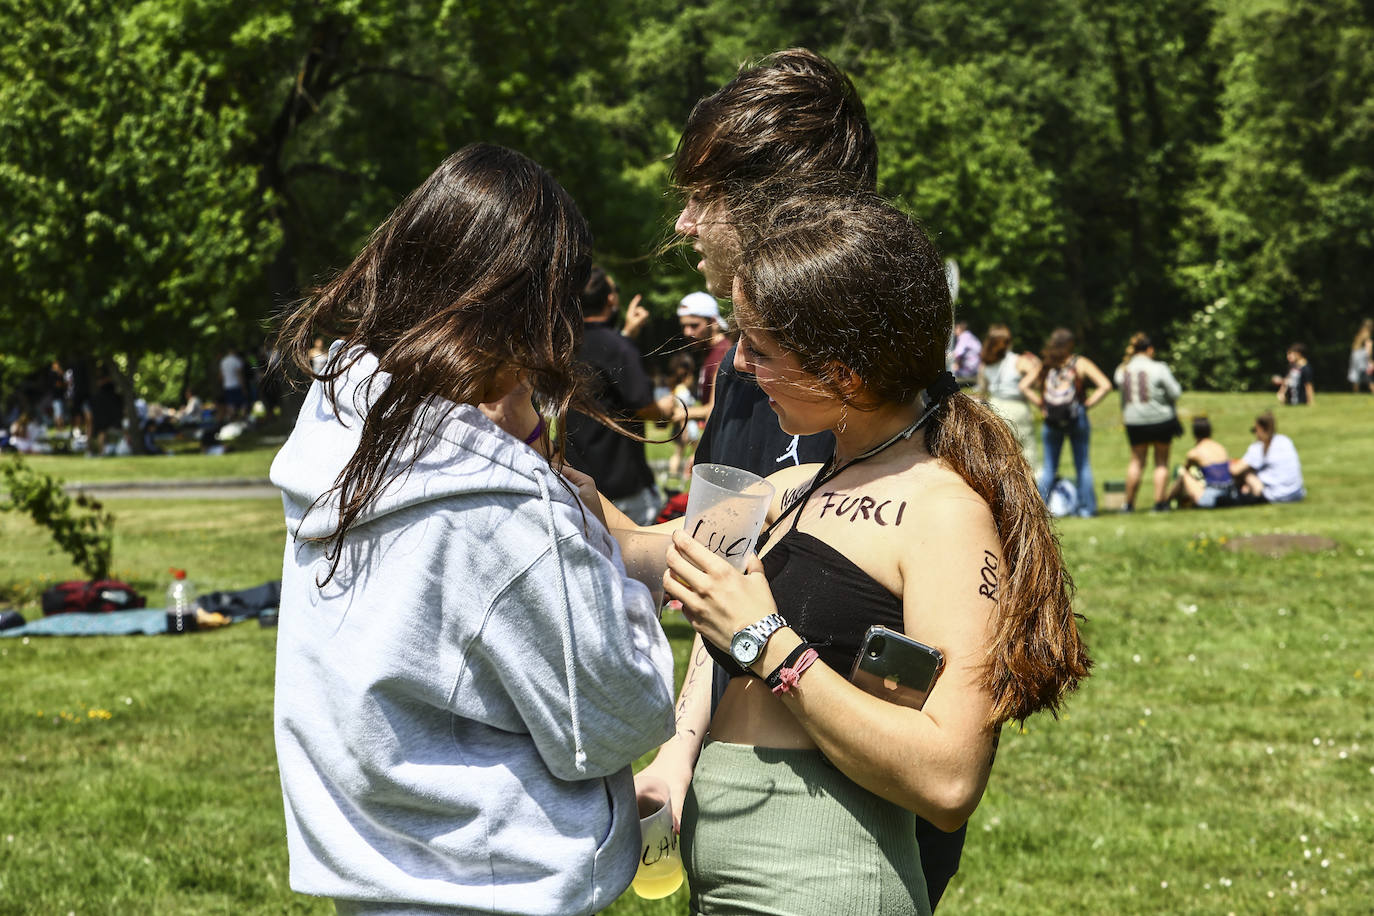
(564, 624)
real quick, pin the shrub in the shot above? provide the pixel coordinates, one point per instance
(80, 526)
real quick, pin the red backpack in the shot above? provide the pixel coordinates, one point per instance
(99, 595)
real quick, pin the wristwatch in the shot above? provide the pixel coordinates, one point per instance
(747, 645)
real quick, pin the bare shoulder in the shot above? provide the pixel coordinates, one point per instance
(950, 517)
(790, 483)
(952, 568)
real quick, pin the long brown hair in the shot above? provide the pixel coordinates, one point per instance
(476, 271)
(996, 344)
(827, 276)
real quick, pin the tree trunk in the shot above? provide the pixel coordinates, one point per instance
(124, 381)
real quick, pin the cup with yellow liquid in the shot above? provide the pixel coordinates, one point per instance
(660, 859)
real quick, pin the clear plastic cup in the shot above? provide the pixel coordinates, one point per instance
(660, 859)
(726, 508)
(646, 557)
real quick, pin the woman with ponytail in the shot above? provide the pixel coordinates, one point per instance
(464, 671)
(805, 794)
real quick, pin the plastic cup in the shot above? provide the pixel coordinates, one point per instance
(646, 557)
(660, 859)
(726, 508)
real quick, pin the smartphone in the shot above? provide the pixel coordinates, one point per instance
(894, 667)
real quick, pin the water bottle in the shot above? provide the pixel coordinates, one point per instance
(181, 603)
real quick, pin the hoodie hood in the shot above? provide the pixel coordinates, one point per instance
(461, 451)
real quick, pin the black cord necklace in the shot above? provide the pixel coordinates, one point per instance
(943, 386)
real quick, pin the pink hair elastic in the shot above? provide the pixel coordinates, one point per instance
(788, 677)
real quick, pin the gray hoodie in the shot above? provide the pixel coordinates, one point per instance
(458, 708)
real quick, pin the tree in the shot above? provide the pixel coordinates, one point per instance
(131, 230)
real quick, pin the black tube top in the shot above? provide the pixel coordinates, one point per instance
(825, 598)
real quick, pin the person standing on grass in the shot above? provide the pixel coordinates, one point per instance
(1149, 393)
(965, 354)
(792, 118)
(625, 393)
(804, 794)
(698, 314)
(464, 671)
(1361, 370)
(1295, 388)
(1000, 370)
(1060, 390)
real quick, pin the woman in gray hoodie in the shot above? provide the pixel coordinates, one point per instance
(464, 671)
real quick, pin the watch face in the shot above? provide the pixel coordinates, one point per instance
(745, 648)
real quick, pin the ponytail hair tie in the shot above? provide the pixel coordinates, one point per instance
(943, 386)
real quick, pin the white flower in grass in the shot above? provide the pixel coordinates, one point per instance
(1164, 884)
(1192, 657)
(1202, 825)
(1224, 882)
(1136, 659)
(1303, 838)
(1269, 750)
(1326, 863)
(1316, 742)
(1307, 853)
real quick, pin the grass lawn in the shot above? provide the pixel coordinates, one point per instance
(1220, 760)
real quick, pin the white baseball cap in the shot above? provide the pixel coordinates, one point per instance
(700, 305)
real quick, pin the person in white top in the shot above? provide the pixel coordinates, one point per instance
(1269, 471)
(231, 384)
(999, 380)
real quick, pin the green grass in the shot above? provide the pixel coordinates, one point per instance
(1221, 758)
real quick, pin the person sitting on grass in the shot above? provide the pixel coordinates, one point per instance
(1206, 481)
(1269, 471)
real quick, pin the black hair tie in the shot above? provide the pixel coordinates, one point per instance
(943, 386)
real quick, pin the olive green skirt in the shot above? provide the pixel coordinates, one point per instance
(782, 832)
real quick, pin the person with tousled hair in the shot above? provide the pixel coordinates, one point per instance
(464, 671)
(806, 789)
(1149, 395)
(792, 119)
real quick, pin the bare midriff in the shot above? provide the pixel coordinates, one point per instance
(750, 714)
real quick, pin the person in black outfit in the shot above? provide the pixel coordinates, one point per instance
(625, 393)
(793, 117)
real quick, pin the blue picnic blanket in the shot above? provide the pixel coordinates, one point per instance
(237, 606)
(110, 623)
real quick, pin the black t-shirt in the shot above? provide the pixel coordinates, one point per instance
(1299, 377)
(621, 388)
(743, 431)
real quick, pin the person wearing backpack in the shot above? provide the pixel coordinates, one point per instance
(1059, 389)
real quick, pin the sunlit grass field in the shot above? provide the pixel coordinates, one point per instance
(1220, 760)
